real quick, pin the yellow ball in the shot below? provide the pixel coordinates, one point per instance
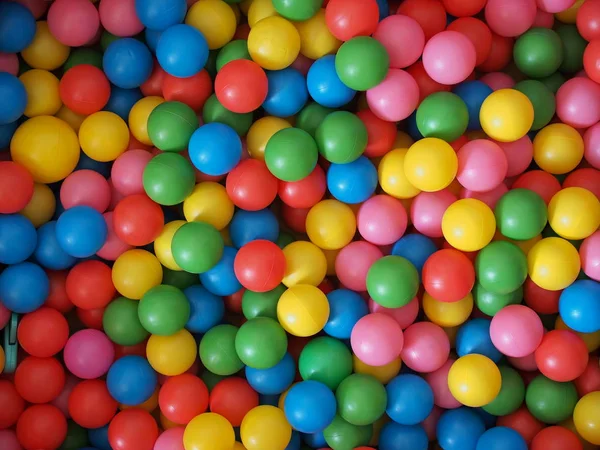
(586, 417)
(135, 272)
(72, 118)
(527, 245)
(570, 15)
(138, 117)
(474, 380)
(265, 428)
(591, 340)
(316, 40)
(468, 225)
(330, 224)
(172, 355)
(281, 401)
(43, 97)
(274, 43)
(162, 244)
(558, 148)
(209, 203)
(47, 147)
(149, 405)
(209, 431)
(215, 20)
(45, 51)
(303, 310)
(553, 263)
(103, 136)
(447, 314)
(259, 10)
(238, 446)
(574, 213)
(330, 256)
(403, 140)
(305, 264)
(166, 424)
(260, 132)
(430, 164)
(506, 115)
(42, 205)
(383, 373)
(245, 6)
(392, 178)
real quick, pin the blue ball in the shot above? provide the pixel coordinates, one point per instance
(384, 9)
(182, 51)
(474, 337)
(13, 95)
(416, 248)
(127, 63)
(18, 238)
(131, 380)
(221, 279)
(270, 400)
(160, 14)
(287, 93)
(121, 101)
(315, 440)
(354, 182)
(324, 85)
(403, 437)
(87, 163)
(310, 406)
(411, 127)
(6, 133)
(247, 226)
(275, 380)
(473, 93)
(24, 287)
(215, 149)
(459, 429)
(410, 399)
(81, 231)
(206, 309)
(17, 28)
(152, 37)
(48, 253)
(501, 438)
(295, 442)
(489, 420)
(579, 306)
(346, 307)
(99, 438)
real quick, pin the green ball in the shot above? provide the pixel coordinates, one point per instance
(341, 435)
(77, 437)
(554, 81)
(490, 303)
(178, 278)
(232, 51)
(106, 39)
(521, 214)
(542, 99)
(164, 310)
(538, 52)
(297, 10)
(83, 55)
(197, 247)
(171, 125)
(211, 63)
(327, 360)
(284, 239)
(217, 350)
(121, 322)
(214, 111)
(362, 63)
(550, 401)
(442, 115)
(311, 116)
(291, 154)
(261, 343)
(392, 281)
(501, 267)
(261, 304)
(361, 399)
(168, 179)
(342, 137)
(511, 396)
(211, 379)
(573, 45)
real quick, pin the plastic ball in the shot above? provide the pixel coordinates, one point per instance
(571, 101)
(88, 354)
(287, 93)
(583, 178)
(473, 94)
(168, 179)
(377, 339)
(305, 264)
(217, 350)
(103, 136)
(274, 380)
(182, 60)
(127, 63)
(215, 20)
(474, 337)
(564, 213)
(42, 89)
(459, 428)
(121, 323)
(249, 343)
(215, 149)
(316, 39)
(172, 355)
(474, 380)
(303, 310)
(426, 347)
(341, 137)
(578, 308)
(538, 52)
(89, 285)
(510, 18)
(393, 32)
(395, 98)
(561, 356)
(354, 182)
(325, 86)
(468, 225)
(131, 380)
(430, 164)
(361, 399)
(137, 220)
(553, 263)
(135, 272)
(499, 438)
(127, 172)
(260, 265)
(197, 247)
(171, 125)
(506, 115)
(192, 91)
(41, 426)
(501, 267)
(267, 39)
(14, 404)
(429, 14)
(362, 63)
(73, 22)
(555, 438)
(589, 252)
(18, 239)
(265, 427)
(209, 429)
(18, 28)
(410, 399)
(45, 51)
(81, 231)
(175, 398)
(585, 418)
(18, 99)
(448, 275)
(392, 292)
(347, 20)
(433, 113)
(516, 331)
(39, 380)
(87, 188)
(449, 57)
(132, 428)
(376, 211)
(233, 398)
(299, 406)
(482, 165)
(291, 163)
(164, 310)
(48, 252)
(241, 94)
(346, 309)
(247, 226)
(447, 314)
(43, 333)
(521, 214)
(160, 14)
(550, 401)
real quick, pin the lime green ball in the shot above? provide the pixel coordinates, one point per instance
(342, 137)
(77, 437)
(164, 310)
(511, 396)
(311, 116)
(362, 63)
(178, 278)
(392, 281)
(538, 52)
(574, 46)
(442, 115)
(291, 154)
(171, 125)
(542, 99)
(501, 267)
(261, 304)
(168, 179)
(344, 436)
(550, 401)
(521, 214)
(214, 111)
(197, 247)
(211, 379)
(554, 81)
(83, 55)
(361, 399)
(121, 322)
(327, 360)
(297, 10)
(490, 303)
(261, 343)
(217, 350)
(232, 51)
(106, 39)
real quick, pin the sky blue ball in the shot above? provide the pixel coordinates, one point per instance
(206, 309)
(410, 399)
(473, 93)
(13, 95)
(131, 380)
(24, 287)
(287, 92)
(501, 438)
(81, 231)
(17, 27)
(474, 337)
(127, 63)
(346, 307)
(416, 248)
(295, 442)
(121, 101)
(275, 380)
(48, 253)
(18, 238)
(354, 182)
(459, 429)
(152, 37)
(324, 85)
(314, 440)
(221, 279)
(160, 14)
(215, 149)
(310, 406)
(182, 51)
(403, 437)
(579, 306)
(99, 438)
(247, 226)
(384, 9)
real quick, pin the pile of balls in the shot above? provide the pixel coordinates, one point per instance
(300, 224)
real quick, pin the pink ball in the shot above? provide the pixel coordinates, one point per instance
(510, 18)
(353, 262)
(37, 7)
(427, 210)
(554, 6)
(590, 256)
(113, 246)
(302, 64)
(449, 57)
(516, 330)
(88, 354)
(482, 165)
(128, 170)
(9, 441)
(430, 423)
(376, 339)
(543, 19)
(5, 314)
(73, 22)
(85, 187)
(403, 38)
(119, 17)
(578, 102)
(591, 152)
(438, 381)
(426, 347)
(62, 401)
(490, 198)
(9, 62)
(382, 220)
(526, 363)
(405, 315)
(519, 155)
(115, 196)
(395, 98)
(498, 80)
(171, 439)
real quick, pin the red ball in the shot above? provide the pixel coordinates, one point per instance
(183, 397)
(90, 286)
(523, 422)
(463, 8)
(591, 60)
(137, 220)
(427, 85)
(233, 302)
(500, 54)
(233, 398)
(556, 438)
(478, 33)
(588, 20)
(12, 403)
(84, 89)
(193, 91)
(137, 349)
(259, 265)
(43, 333)
(448, 275)
(306, 192)
(57, 298)
(91, 318)
(41, 427)
(540, 182)
(16, 187)
(430, 14)
(351, 18)
(91, 405)
(587, 178)
(251, 186)
(132, 429)
(381, 134)
(241, 86)
(589, 380)
(39, 380)
(562, 355)
(154, 84)
(540, 300)
(295, 218)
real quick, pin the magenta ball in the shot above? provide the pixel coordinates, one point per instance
(427, 210)
(85, 187)
(438, 381)
(395, 98)
(376, 339)
(405, 315)
(9, 441)
(9, 62)
(482, 165)
(62, 401)
(128, 170)
(554, 6)
(353, 262)
(490, 198)
(591, 140)
(113, 246)
(543, 19)
(498, 80)
(382, 220)
(171, 439)
(519, 155)
(510, 18)
(516, 330)
(403, 38)
(578, 102)
(119, 17)
(526, 363)
(590, 256)
(73, 22)
(426, 347)
(449, 57)
(88, 354)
